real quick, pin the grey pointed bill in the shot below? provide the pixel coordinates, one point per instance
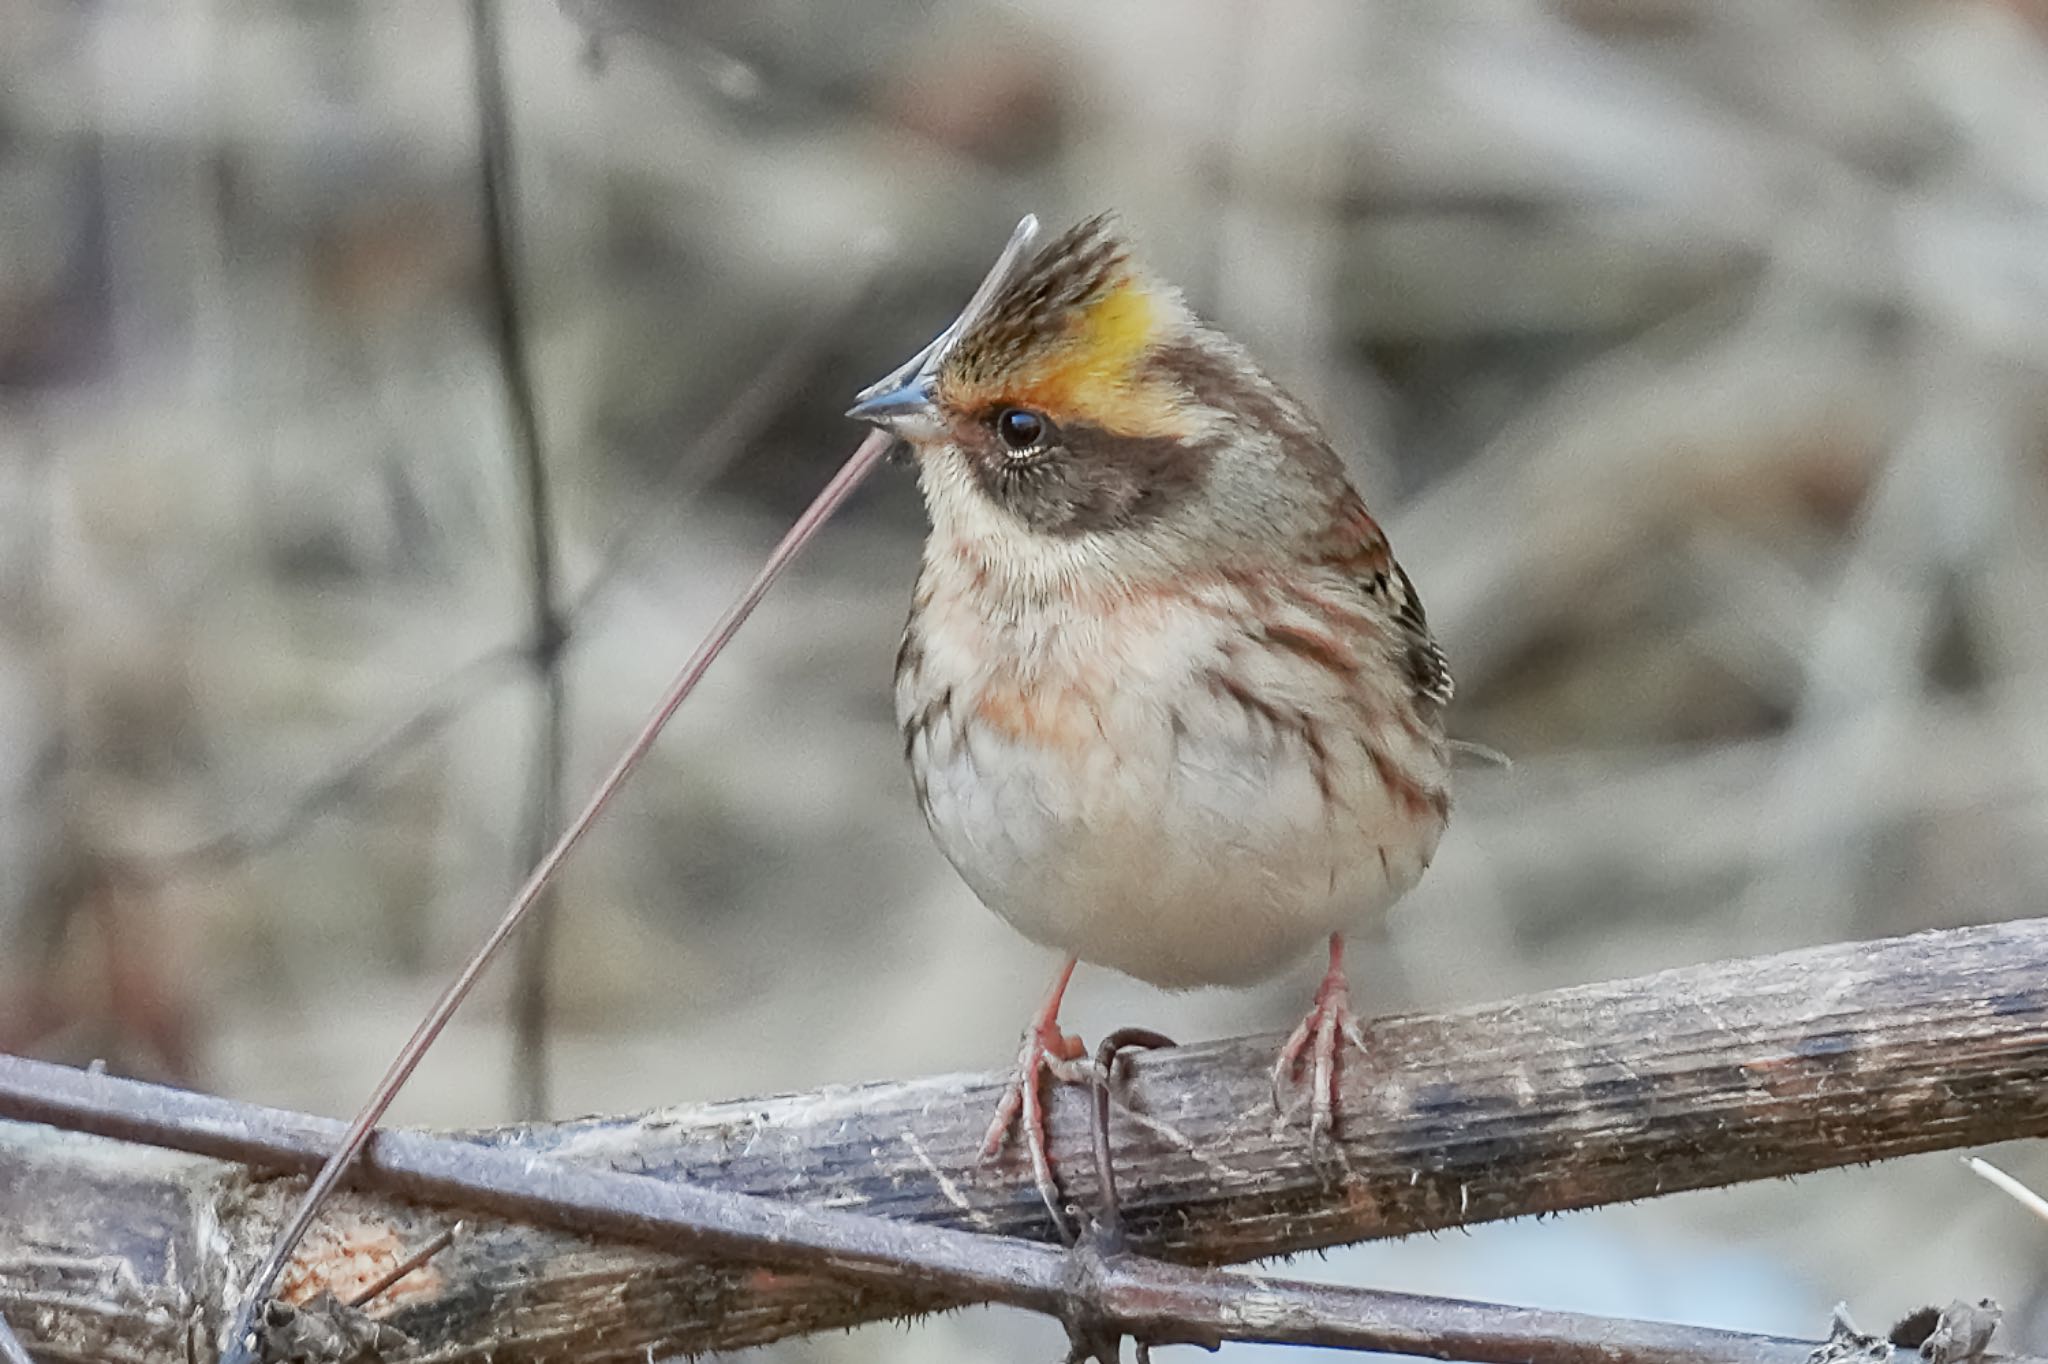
(902, 409)
(902, 401)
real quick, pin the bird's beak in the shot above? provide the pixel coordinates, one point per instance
(903, 403)
(905, 410)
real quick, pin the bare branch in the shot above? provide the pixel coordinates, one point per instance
(1687, 1079)
(1159, 1302)
(548, 624)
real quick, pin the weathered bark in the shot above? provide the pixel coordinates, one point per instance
(1707, 1076)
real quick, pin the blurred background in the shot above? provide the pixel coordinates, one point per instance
(1695, 353)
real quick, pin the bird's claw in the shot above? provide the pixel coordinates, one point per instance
(1046, 1050)
(1317, 1040)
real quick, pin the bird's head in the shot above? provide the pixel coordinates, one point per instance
(1080, 420)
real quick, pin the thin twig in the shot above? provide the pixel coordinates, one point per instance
(1110, 1215)
(2020, 1193)
(1165, 1304)
(549, 626)
(406, 1266)
(1087, 1336)
(242, 1342)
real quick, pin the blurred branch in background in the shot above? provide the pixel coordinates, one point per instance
(550, 625)
(1714, 1075)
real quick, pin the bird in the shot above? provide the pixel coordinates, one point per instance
(1169, 703)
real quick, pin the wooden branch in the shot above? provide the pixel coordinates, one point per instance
(1712, 1075)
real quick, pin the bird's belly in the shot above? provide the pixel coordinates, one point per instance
(1190, 842)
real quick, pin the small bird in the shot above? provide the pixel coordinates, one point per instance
(1169, 703)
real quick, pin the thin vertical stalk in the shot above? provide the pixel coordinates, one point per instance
(549, 626)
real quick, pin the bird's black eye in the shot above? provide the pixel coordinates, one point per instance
(1021, 429)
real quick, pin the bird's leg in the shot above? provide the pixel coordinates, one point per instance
(1328, 1023)
(1045, 1048)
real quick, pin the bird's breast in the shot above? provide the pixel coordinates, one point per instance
(1139, 782)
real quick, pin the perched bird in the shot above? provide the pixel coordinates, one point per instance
(1169, 703)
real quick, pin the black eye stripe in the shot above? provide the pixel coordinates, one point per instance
(1082, 478)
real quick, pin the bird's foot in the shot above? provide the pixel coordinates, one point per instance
(1046, 1049)
(1316, 1042)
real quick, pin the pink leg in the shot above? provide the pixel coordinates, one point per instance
(1045, 1048)
(1329, 1021)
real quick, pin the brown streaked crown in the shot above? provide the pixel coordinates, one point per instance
(1040, 310)
(1072, 337)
